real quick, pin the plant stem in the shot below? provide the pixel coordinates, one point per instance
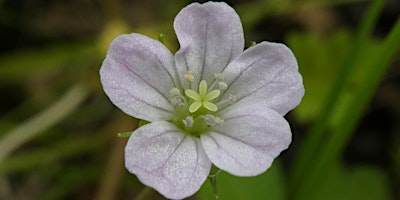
(43, 120)
(313, 141)
(145, 194)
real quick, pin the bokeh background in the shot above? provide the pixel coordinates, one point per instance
(58, 130)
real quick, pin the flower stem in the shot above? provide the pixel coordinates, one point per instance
(213, 179)
(145, 194)
(113, 172)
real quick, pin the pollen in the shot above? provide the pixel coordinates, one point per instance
(188, 121)
(189, 77)
(174, 92)
(176, 102)
(232, 99)
(176, 98)
(219, 77)
(222, 85)
(213, 120)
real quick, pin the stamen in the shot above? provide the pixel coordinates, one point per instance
(213, 120)
(232, 99)
(219, 82)
(219, 77)
(222, 85)
(174, 92)
(189, 77)
(188, 121)
(176, 102)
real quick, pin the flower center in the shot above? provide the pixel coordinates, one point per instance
(202, 98)
(195, 111)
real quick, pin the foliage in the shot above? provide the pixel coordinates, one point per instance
(58, 131)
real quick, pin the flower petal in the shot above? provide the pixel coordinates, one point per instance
(210, 35)
(137, 74)
(248, 140)
(266, 73)
(164, 158)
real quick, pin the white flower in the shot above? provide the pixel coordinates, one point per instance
(211, 103)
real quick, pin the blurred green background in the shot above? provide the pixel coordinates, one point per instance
(58, 130)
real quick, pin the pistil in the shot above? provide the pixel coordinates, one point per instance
(202, 98)
(195, 110)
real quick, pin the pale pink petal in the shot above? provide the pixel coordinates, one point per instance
(210, 35)
(248, 140)
(137, 74)
(266, 73)
(166, 159)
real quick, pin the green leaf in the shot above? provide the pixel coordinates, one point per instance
(143, 122)
(125, 134)
(22, 64)
(362, 182)
(319, 62)
(269, 185)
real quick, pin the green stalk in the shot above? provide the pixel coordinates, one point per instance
(362, 97)
(42, 121)
(313, 141)
(145, 194)
(60, 150)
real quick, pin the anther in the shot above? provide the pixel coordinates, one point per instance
(232, 99)
(219, 77)
(227, 101)
(176, 98)
(174, 92)
(213, 120)
(176, 102)
(189, 77)
(188, 121)
(222, 85)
